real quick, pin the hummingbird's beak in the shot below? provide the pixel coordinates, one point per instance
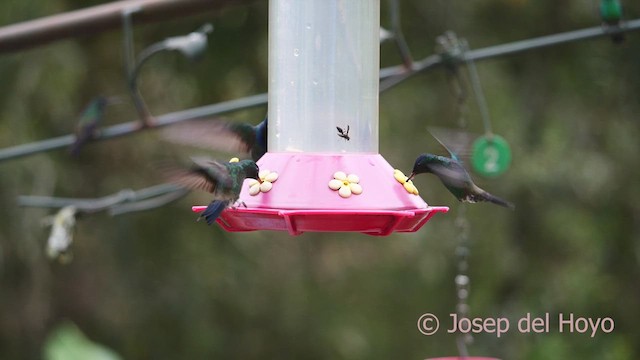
(411, 176)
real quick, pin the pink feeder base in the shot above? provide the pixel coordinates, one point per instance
(301, 200)
(298, 221)
(463, 358)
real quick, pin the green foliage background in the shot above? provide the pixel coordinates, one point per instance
(157, 285)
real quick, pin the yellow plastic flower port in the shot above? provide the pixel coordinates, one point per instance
(264, 184)
(345, 184)
(402, 179)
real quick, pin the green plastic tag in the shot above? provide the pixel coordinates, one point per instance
(491, 156)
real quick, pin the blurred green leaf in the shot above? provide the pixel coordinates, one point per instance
(67, 342)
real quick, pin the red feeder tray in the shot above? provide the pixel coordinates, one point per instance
(295, 222)
(301, 199)
(463, 358)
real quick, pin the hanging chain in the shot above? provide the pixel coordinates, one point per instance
(462, 280)
(474, 78)
(449, 48)
(452, 50)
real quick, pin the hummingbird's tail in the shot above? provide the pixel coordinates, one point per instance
(496, 200)
(212, 211)
(74, 149)
(78, 144)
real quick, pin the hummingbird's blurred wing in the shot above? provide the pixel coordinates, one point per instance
(205, 174)
(458, 143)
(219, 135)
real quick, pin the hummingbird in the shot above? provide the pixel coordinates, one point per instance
(90, 118)
(88, 123)
(222, 135)
(61, 236)
(222, 179)
(455, 178)
(611, 15)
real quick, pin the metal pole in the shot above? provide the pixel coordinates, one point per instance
(510, 48)
(134, 126)
(100, 18)
(397, 73)
(550, 40)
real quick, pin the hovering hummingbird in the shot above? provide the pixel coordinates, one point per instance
(222, 179)
(611, 15)
(222, 135)
(455, 178)
(451, 172)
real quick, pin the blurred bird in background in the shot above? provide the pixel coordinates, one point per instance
(611, 15)
(61, 236)
(90, 119)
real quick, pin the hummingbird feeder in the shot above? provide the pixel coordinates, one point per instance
(322, 171)
(464, 358)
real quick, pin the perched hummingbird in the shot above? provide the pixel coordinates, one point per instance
(455, 178)
(221, 135)
(611, 15)
(90, 118)
(222, 179)
(61, 237)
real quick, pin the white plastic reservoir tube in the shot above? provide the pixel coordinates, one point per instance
(324, 60)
